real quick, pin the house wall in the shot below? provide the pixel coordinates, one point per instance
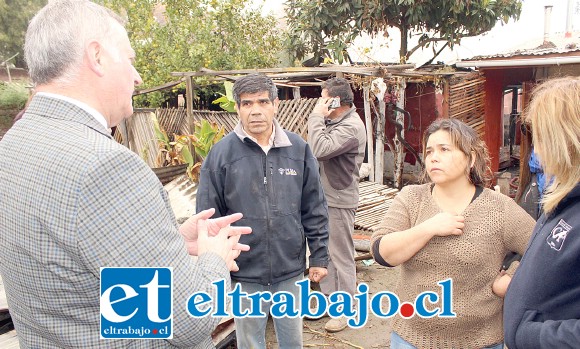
(495, 83)
(564, 70)
(421, 103)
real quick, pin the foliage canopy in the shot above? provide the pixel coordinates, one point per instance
(13, 95)
(186, 35)
(14, 18)
(331, 25)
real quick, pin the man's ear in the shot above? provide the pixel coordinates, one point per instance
(276, 103)
(94, 56)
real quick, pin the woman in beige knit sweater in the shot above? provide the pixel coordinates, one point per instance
(452, 228)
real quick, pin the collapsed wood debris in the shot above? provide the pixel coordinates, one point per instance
(374, 200)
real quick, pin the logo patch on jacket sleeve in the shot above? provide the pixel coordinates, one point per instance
(558, 235)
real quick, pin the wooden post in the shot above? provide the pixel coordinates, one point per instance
(124, 134)
(445, 99)
(380, 146)
(189, 103)
(369, 127)
(399, 154)
(503, 182)
(296, 92)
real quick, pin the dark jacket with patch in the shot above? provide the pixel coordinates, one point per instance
(542, 305)
(281, 198)
(339, 145)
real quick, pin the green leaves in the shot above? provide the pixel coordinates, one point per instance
(226, 101)
(159, 132)
(186, 35)
(205, 136)
(13, 95)
(14, 18)
(333, 24)
(177, 151)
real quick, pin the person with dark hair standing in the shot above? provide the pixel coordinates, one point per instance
(270, 175)
(452, 228)
(542, 307)
(74, 201)
(338, 140)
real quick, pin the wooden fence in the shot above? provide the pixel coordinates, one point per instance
(467, 101)
(292, 115)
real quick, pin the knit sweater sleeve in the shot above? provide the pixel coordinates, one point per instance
(517, 229)
(397, 217)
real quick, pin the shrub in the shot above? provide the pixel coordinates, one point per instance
(13, 95)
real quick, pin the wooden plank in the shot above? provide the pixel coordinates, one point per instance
(369, 129)
(9, 340)
(378, 71)
(3, 301)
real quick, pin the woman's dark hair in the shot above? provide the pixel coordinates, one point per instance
(468, 142)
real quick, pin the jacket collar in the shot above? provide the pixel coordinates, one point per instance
(568, 200)
(280, 137)
(59, 109)
(340, 117)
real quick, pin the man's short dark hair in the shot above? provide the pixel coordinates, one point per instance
(339, 87)
(254, 83)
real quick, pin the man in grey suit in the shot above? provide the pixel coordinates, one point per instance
(73, 201)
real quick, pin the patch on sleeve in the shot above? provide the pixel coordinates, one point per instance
(558, 235)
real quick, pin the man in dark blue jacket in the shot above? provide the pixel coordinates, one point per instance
(271, 176)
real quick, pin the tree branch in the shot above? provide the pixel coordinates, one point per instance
(421, 44)
(436, 54)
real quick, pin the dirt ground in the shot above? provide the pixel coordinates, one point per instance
(375, 334)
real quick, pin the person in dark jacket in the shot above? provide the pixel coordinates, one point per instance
(542, 307)
(270, 175)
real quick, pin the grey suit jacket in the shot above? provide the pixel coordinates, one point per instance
(72, 200)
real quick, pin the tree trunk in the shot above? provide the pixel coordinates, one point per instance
(404, 43)
(399, 148)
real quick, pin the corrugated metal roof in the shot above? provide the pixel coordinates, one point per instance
(530, 52)
(558, 45)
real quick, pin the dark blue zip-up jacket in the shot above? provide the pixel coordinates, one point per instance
(542, 304)
(282, 200)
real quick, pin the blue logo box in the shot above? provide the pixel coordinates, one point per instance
(137, 303)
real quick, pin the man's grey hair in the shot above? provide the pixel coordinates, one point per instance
(339, 87)
(56, 37)
(254, 83)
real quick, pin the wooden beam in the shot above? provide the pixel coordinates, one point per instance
(158, 88)
(380, 145)
(445, 99)
(368, 71)
(369, 127)
(296, 92)
(189, 102)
